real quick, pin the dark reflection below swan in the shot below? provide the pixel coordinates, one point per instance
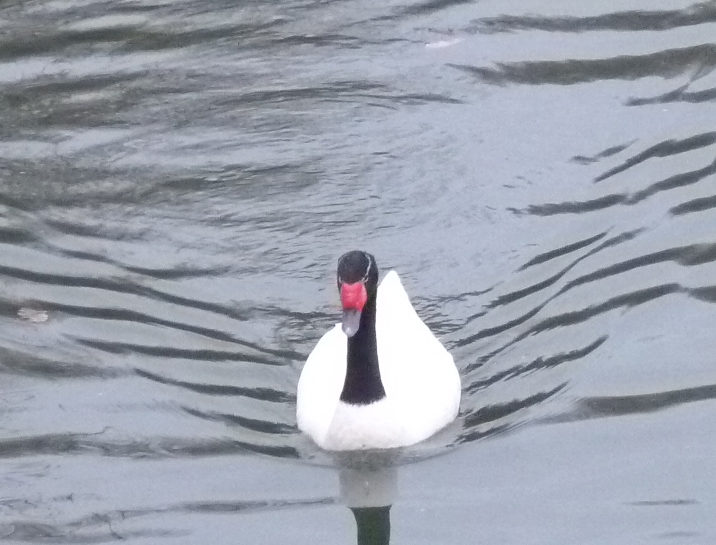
(368, 482)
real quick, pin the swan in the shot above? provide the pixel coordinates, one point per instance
(380, 379)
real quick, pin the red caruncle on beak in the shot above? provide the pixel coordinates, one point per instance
(353, 296)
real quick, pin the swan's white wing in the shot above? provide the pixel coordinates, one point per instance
(320, 384)
(418, 373)
(406, 347)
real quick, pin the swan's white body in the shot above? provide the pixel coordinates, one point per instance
(421, 383)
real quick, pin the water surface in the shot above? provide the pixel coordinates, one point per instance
(178, 180)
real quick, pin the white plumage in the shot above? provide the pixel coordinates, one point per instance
(421, 382)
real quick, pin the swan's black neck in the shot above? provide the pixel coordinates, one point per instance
(362, 384)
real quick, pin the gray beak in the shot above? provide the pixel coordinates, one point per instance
(351, 321)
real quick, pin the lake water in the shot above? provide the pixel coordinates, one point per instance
(178, 179)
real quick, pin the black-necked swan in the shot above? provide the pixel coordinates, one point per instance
(380, 379)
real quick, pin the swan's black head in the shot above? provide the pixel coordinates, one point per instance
(357, 279)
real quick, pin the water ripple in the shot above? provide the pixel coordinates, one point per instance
(633, 21)
(667, 63)
(608, 406)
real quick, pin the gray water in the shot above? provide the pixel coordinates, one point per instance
(177, 180)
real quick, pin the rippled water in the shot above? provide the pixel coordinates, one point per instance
(178, 179)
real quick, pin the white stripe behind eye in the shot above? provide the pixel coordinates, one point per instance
(367, 272)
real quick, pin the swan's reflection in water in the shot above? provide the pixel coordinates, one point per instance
(368, 487)
(368, 480)
(369, 493)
